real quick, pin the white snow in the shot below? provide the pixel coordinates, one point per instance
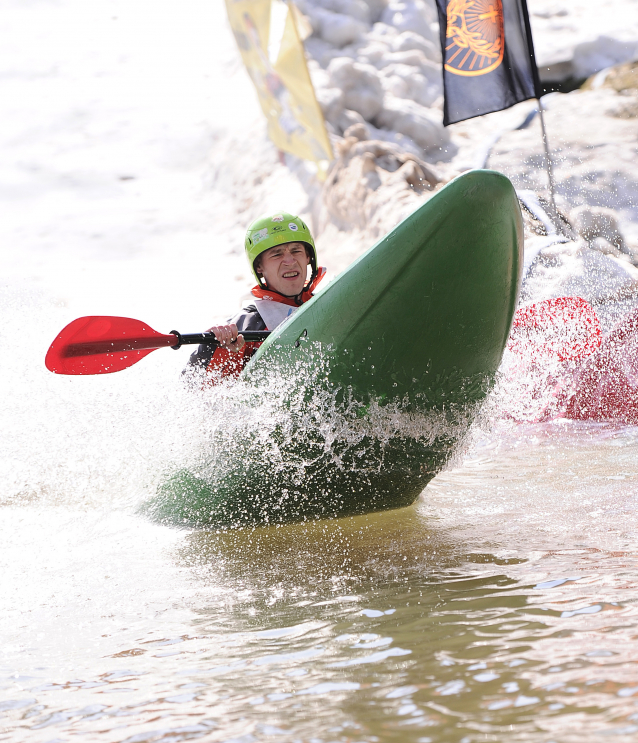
(581, 37)
(110, 111)
(134, 151)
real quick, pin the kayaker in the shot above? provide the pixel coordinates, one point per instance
(282, 256)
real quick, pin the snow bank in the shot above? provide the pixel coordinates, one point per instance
(379, 60)
(579, 38)
(605, 51)
(378, 63)
(129, 173)
(373, 184)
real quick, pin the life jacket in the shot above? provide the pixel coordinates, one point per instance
(273, 308)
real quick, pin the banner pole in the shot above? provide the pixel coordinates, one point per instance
(539, 92)
(548, 161)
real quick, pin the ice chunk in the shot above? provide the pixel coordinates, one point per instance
(373, 53)
(414, 58)
(376, 8)
(331, 102)
(357, 9)
(320, 78)
(409, 41)
(364, 100)
(351, 119)
(598, 222)
(606, 248)
(363, 130)
(402, 81)
(335, 28)
(592, 56)
(404, 143)
(360, 84)
(415, 121)
(383, 30)
(319, 50)
(411, 15)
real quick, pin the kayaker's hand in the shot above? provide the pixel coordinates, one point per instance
(228, 337)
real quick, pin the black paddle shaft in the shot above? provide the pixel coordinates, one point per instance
(208, 338)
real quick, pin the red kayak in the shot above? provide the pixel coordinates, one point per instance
(565, 368)
(606, 385)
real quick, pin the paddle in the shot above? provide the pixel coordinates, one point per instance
(103, 345)
(565, 329)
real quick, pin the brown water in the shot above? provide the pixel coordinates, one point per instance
(501, 607)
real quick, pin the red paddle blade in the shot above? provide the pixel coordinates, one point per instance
(566, 328)
(103, 345)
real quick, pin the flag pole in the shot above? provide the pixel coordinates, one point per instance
(538, 89)
(548, 160)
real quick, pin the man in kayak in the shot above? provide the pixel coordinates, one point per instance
(281, 253)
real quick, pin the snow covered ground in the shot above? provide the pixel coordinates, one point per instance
(378, 61)
(578, 38)
(134, 152)
(110, 113)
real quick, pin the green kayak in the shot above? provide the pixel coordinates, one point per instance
(369, 389)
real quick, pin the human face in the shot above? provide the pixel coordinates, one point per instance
(285, 267)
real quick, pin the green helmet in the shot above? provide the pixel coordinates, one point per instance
(276, 229)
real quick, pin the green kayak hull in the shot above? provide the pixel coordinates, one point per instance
(378, 378)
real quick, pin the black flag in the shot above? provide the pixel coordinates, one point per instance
(488, 57)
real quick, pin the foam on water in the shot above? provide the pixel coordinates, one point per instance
(80, 441)
(531, 390)
(287, 444)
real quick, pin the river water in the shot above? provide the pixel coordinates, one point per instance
(501, 606)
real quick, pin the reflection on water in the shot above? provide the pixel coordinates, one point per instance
(501, 607)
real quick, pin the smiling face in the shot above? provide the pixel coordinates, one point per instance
(284, 268)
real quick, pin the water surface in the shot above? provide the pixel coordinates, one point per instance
(500, 607)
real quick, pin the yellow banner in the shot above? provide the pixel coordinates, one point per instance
(273, 53)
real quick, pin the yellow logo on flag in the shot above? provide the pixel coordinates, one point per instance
(475, 28)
